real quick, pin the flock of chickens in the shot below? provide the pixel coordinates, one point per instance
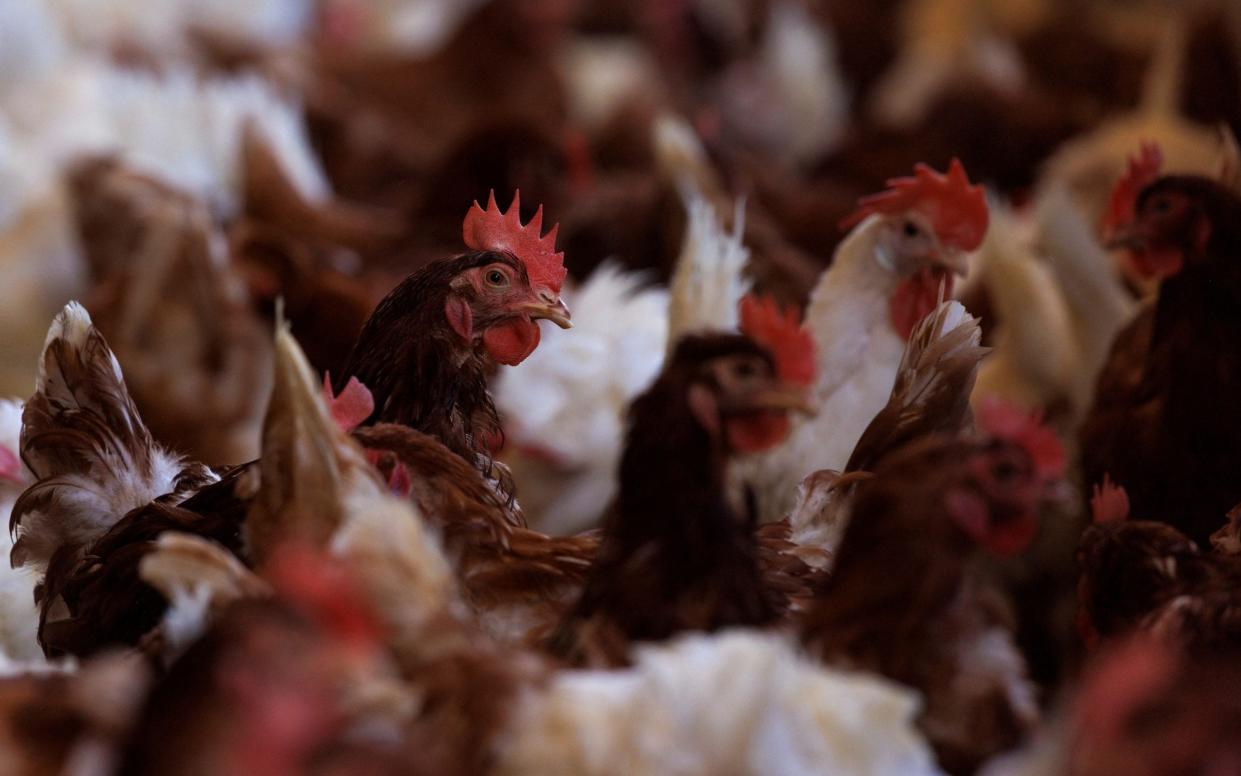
(783, 452)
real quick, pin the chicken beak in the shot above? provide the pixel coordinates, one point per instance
(784, 398)
(1122, 238)
(552, 308)
(953, 260)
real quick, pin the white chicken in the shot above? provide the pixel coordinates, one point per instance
(1033, 357)
(884, 278)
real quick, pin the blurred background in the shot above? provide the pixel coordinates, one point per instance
(179, 165)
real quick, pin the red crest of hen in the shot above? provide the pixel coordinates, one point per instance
(1142, 171)
(494, 230)
(956, 209)
(782, 334)
(1001, 419)
(322, 590)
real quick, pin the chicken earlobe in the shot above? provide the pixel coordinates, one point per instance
(91, 454)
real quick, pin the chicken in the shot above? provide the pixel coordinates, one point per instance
(930, 396)
(174, 310)
(931, 619)
(1163, 420)
(884, 278)
(425, 350)
(91, 455)
(1146, 575)
(54, 719)
(1034, 357)
(62, 103)
(566, 441)
(278, 682)
(678, 553)
(480, 708)
(1086, 166)
(1189, 707)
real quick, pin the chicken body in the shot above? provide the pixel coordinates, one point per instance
(932, 619)
(1165, 421)
(679, 553)
(858, 354)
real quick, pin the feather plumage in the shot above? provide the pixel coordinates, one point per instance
(89, 451)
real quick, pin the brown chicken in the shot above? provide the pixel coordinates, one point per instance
(908, 596)
(426, 349)
(679, 553)
(90, 549)
(1146, 710)
(176, 311)
(1146, 575)
(272, 687)
(1165, 420)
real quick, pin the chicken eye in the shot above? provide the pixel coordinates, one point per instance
(1161, 205)
(497, 278)
(910, 229)
(1004, 471)
(745, 369)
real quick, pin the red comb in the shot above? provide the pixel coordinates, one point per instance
(782, 334)
(1109, 503)
(1143, 169)
(322, 589)
(956, 209)
(493, 230)
(354, 404)
(1007, 421)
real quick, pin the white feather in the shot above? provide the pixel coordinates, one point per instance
(164, 28)
(737, 702)
(799, 58)
(1098, 303)
(857, 355)
(19, 619)
(568, 399)
(89, 495)
(1034, 358)
(708, 281)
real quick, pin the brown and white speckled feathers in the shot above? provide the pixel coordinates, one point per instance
(519, 581)
(933, 385)
(1143, 575)
(83, 440)
(464, 681)
(96, 597)
(1130, 569)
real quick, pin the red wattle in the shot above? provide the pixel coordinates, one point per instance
(1012, 536)
(510, 343)
(757, 432)
(1157, 265)
(915, 298)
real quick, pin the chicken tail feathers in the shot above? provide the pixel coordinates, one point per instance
(933, 385)
(82, 437)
